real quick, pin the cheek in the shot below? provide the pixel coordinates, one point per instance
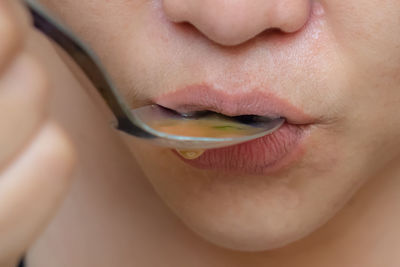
(367, 31)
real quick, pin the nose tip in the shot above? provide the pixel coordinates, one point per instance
(237, 21)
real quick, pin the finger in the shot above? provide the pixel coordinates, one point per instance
(32, 188)
(24, 96)
(13, 27)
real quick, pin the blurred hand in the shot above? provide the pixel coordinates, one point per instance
(36, 157)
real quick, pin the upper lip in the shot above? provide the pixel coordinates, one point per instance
(256, 102)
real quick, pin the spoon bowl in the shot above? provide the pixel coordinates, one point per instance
(211, 130)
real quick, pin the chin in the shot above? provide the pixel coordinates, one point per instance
(248, 240)
(244, 218)
(242, 212)
(243, 231)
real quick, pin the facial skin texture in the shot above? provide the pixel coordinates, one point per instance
(339, 61)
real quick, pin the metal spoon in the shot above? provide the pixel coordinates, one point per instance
(140, 122)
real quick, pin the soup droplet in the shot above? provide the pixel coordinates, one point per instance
(191, 154)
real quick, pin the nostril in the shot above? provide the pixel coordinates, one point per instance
(270, 33)
(187, 27)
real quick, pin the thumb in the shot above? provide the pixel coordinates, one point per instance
(32, 188)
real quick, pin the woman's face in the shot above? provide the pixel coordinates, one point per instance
(331, 67)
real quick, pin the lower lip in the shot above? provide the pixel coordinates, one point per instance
(261, 156)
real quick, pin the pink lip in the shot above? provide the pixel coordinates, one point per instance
(261, 156)
(203, 97)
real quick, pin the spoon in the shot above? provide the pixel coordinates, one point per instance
(159, 125)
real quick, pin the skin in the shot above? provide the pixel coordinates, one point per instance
(335, 207)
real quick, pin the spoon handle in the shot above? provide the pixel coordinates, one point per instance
(90, 65)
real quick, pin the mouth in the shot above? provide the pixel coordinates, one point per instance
(264, 155)
(202, 97)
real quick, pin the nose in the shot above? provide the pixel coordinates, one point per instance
(232, 22)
